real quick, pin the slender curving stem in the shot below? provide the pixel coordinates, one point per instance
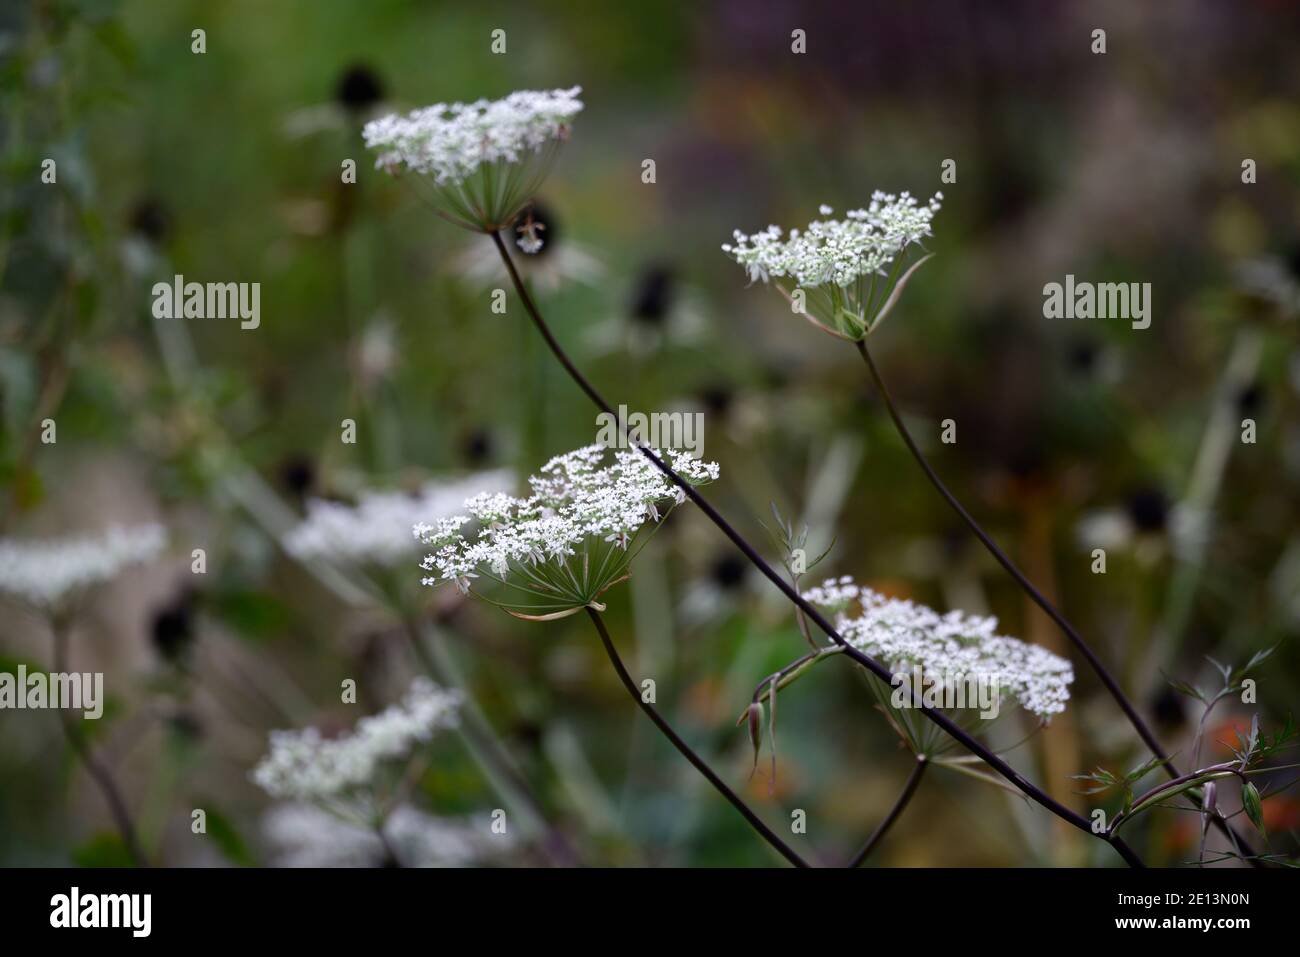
(1039, 599)
(815, 616)
(1107, 679)
(687, 752)
(96, 768)
(1179, 784)
(883, 827)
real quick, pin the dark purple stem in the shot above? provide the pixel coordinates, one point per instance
(687, 752)
(1038, 597)
(909, 789)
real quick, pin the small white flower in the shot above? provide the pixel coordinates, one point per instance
(904, 634)
(305, 766)
(44, 572)
(834, 594)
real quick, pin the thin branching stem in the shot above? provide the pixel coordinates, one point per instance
(1178, 785)
(815, 616)
(687, 751)
(883, 827)
(1038, 598)
(1107, 679)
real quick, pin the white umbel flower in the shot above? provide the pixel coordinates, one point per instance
(377, 529)
(569, 540)
(45, 572)
(838, 263)
(904, 634)
(305, 766)
(484, 159)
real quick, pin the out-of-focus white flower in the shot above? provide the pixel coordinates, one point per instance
(592, 498)
(305, 766)
(377, 529)
(904, 634)
(303, 835)
(1104, 528)
(44, 572)
(484, 160)
(834, 265)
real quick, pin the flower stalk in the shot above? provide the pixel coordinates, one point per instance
(913, 779)
(685, 749)
(1107, 679)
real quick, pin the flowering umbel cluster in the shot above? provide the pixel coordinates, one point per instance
(906, 634)
(377, 529)
(306, 766)
(571, 539)
(483, 160)
(837, 272)
(46, 572)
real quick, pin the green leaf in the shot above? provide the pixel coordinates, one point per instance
(1256, 659)
(816, 561)
(1253, 806)
(781, 523)
(754, 716)
(892, 301)
(1270, 745)
(986, 776)
(1223, 669)
(783, 533)
(1142, 770)
(1183, 688)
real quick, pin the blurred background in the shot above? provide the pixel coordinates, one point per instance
(225, 166)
